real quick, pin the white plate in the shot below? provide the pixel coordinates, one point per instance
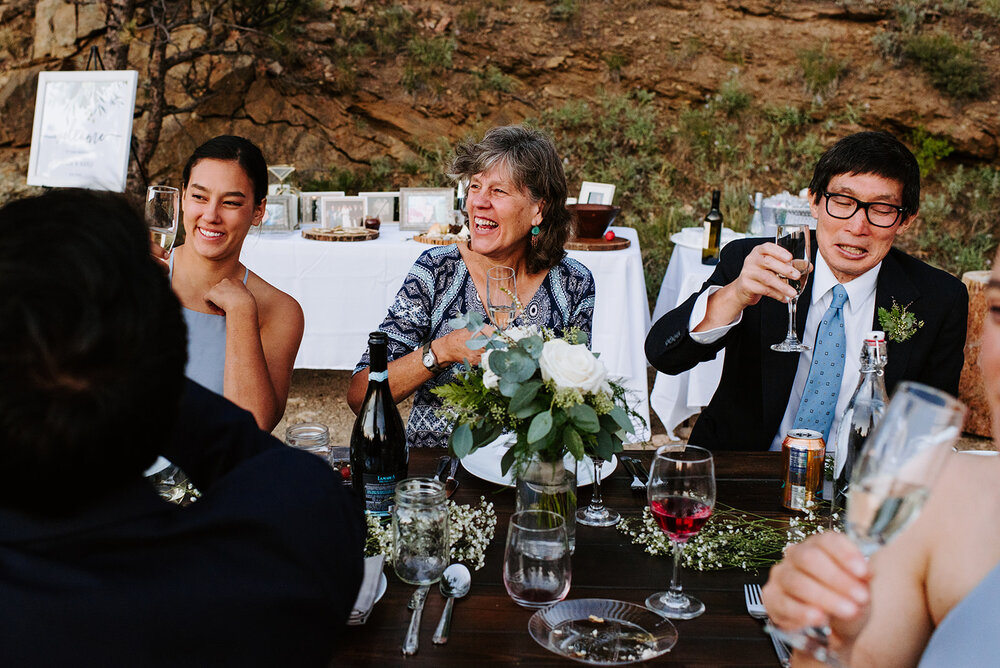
(691, 237)
(383, 584)
(484, 463)
(981, 453)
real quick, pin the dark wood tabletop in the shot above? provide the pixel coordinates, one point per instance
(489, 629)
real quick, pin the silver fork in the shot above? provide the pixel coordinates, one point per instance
(636, 485)
(751, 592)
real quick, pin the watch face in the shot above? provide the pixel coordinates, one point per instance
(429, 360)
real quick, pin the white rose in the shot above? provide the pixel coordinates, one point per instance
(521, 332)
(572, 366)
(490, 379)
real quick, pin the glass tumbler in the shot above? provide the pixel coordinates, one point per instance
(312, 437)
(536, 562)
(420, 545)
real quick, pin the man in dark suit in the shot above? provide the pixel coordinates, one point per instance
(95, 568)
(865, 192)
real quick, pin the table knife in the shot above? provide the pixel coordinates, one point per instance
(417, 606)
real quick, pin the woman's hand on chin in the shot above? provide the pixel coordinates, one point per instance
(230, 297)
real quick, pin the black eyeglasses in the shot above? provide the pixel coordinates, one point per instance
(878, 214)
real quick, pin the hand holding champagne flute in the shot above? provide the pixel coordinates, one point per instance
(162, 207)
(795, 238)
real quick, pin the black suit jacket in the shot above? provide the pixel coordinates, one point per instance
(261, 571)
(748, 405)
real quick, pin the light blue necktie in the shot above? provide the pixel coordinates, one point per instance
(819, 398)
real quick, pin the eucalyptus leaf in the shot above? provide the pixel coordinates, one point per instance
(523, 395)
(507, 460)
(573, 442)
(458, 322)
(604, 448)
(475, 321)
(536, 406)
(532, 345)
(621, 417)
(461, 440)
(508, 388)
(585, 417)
(540, 426)
(477, 342)
(487, 432)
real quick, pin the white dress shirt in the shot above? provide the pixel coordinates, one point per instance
(858, 313)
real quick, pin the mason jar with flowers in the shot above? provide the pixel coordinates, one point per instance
(553, 394)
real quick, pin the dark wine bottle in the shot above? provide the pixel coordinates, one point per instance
(713, 232)
(379, 456)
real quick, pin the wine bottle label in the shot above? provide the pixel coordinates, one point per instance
(706, 240)
(380, 491)
(377, 375)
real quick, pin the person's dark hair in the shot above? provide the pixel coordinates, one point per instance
(92, 350)
(240, 150)
(870, 152)
(535, 167)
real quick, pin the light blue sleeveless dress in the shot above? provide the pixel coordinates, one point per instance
(967, 636)
(206, 345)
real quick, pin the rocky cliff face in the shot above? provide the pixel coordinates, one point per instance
(347, 85)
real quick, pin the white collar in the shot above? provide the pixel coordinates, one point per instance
(858, 289)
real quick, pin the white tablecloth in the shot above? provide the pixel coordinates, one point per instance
(676, 398)
(345, 289)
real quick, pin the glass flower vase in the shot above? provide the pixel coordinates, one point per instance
(550, 486)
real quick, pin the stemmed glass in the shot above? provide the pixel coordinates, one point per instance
(162, 205)
(597, 514)
(891, 481)
(681, 494)
(794, 237)
(501, 296)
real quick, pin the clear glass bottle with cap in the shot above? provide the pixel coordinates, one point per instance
(863, 412)
(420, 545)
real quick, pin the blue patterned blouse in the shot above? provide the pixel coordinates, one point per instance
(439, 288)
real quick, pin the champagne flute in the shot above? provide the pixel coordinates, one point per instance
(597, 514)
(891, 481)
(501, 296)
(162, 206)
(681, 494)
(794, 237)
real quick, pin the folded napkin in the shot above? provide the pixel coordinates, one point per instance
(369, 590)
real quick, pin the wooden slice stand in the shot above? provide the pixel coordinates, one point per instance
(340, 234)
(437, 241)
(601, 244)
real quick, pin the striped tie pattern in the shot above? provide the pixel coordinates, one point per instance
(819, 399)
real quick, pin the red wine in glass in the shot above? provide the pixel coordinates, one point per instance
(680, 517)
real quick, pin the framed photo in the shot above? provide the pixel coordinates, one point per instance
(82, 129)
(309, 204)
(342, 211)
(596, 193)
(384, 206)
(280, 213)
(419, 208)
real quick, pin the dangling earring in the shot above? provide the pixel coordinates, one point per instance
(535, 231)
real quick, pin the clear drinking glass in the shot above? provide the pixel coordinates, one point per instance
(891, 481)
(536, 562)
(420, 547)
(501, 296)
(794, 237)
(681, 494)
(597, 514)
(162, 206)
(313, 437)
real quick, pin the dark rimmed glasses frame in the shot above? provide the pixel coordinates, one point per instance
(882, 209)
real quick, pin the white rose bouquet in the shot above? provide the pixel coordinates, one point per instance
(554, 393)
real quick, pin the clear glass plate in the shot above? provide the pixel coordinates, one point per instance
(602, 632)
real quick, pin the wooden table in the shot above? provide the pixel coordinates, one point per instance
(490, 629)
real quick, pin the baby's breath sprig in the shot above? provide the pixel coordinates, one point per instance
(470, 531)
(730, 539)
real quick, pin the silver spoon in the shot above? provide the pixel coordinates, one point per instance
(455, 583)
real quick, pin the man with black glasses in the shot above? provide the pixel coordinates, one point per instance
(865, 191)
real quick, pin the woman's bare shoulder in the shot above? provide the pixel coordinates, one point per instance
(273, 305)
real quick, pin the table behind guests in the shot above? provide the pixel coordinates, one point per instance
(345, 289)
(489, 629)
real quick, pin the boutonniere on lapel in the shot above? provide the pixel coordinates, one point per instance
(898, 323)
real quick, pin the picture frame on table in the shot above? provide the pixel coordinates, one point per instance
(382, 205)
(82, 130)
(342, 211)
(309, 204)
(281, 213)
(419, 208)
(596, 193)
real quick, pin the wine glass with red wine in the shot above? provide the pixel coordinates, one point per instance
(681, 494)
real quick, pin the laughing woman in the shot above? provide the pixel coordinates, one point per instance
(516, 203)
(243, 334)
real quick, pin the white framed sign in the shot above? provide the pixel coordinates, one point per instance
(596, 193)
(82, 129)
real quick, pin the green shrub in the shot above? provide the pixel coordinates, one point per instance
(928, 149)
(493, 78)
(732, 99)
(821, 71)
(953, 68)
(564, 10)
(429, 57)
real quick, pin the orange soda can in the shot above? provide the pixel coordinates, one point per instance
(802, 455)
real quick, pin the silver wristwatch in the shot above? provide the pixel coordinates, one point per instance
(430, 360)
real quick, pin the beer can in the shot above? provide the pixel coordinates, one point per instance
(802, 455)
